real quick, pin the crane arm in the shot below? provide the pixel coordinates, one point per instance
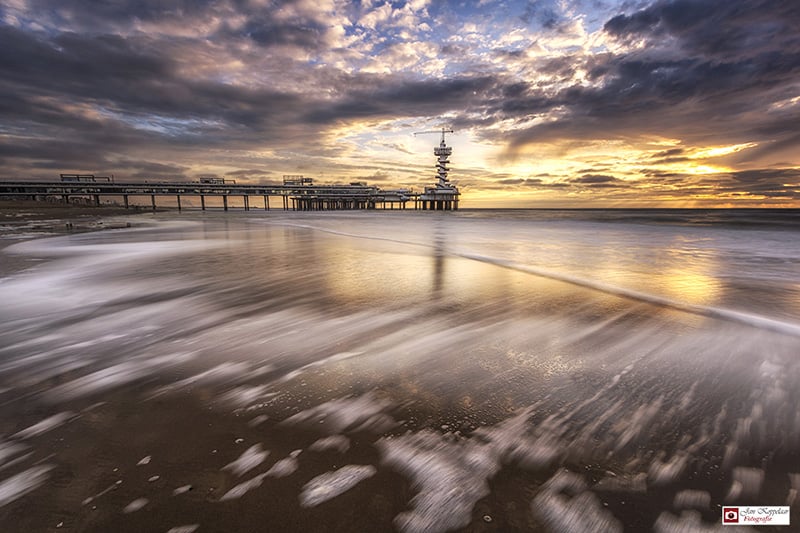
(442, 131)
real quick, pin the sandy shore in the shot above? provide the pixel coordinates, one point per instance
(26, 219)
(24, 210)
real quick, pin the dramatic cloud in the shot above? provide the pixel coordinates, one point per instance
(576, 102)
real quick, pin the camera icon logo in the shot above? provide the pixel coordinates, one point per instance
(730, 515)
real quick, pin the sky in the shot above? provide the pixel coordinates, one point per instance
(568, 103)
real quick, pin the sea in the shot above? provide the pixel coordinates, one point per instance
(479, 370)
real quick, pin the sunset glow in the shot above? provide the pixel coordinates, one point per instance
(565, 103)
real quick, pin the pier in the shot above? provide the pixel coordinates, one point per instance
(297, 193)
(302, 197)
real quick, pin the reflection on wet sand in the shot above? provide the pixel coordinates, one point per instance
(417, 379)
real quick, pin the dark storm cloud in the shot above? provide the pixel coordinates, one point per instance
(725, 60)
(69, 61)
(100, 93)
(715, 27)
(594, 179)
(390, 98)
(542, 12)
(267, 32)
(98, 14)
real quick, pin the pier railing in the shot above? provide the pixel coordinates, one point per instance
(293, 197)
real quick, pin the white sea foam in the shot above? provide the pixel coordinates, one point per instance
(221, 373)
(746, 483)
(191, 528)
(583, 512)
(21, 484)
(449, 478)
(243, 488)
(661, 473)
(324, 361)
(749, 319)
(624, 483)
(103, 492)
(250, 458)
(181, 490)
(135, 505)
(245, 395)
(114, 376)
(331, 484)
(363, 413)
(257, 421)
(339, 443)
(692, 499)
(10, 449)
(45, 425)
(284, 467)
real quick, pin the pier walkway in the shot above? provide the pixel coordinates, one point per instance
(297, 197)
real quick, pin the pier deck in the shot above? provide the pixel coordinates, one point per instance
(301, 197)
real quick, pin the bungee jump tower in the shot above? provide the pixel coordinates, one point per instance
(444, 195)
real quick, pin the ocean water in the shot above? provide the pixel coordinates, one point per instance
(508, 370)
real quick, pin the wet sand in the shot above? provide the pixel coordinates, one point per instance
(195, 374)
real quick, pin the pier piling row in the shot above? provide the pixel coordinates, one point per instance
(302, 197)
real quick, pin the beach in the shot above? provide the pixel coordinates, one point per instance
(481, 370)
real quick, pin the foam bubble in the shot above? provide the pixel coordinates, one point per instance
(135, 505)
(184, 529)
(339, 443)
(250, 458)
(181, 490)
(284, 467)
(243, 488)
(331, 484)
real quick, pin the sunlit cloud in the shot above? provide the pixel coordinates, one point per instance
(654, 96)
